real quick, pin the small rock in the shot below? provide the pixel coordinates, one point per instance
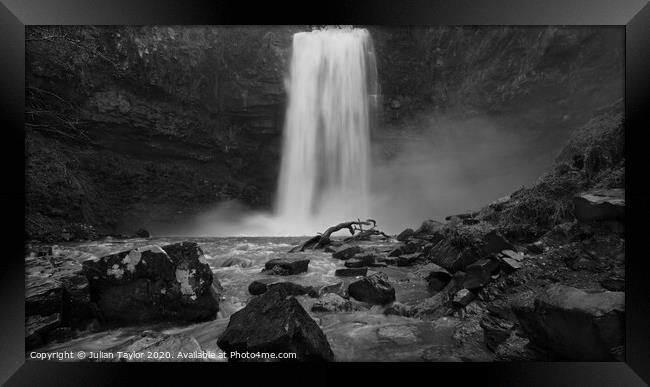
(286, 266)
(346, 251)
(513, 255)
(263, 285)
(462, 298)
(374, 289)
(351, 272)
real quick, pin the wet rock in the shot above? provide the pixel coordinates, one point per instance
(405, 235)
(603, 204)
(331, 302)
(153, 283)
(428, 227)
(574, 324)
(374, 289)
(351, 272)
(275, 322)
(509, 265)
(479, 273)
(438, 277)
(495, 331)
(614, 282)
(409, 259)
(286, 266)
(512, 255)
(462, 298)
(346, 251)
(494, 242)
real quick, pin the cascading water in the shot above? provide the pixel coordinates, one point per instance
(324, 176)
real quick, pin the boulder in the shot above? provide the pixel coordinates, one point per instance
(286, 266)
(574, 324)
(405, 235)
(351, 272)
(509, 265)
(428, 227)
(462, 298)
(374, 289)
(409, 259)
(452, 258)
(153, 283)
(602, 204)
(437, 278)
(346, 251)
(479, 273)
(275, 322)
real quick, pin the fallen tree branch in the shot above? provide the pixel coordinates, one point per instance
(321, 240)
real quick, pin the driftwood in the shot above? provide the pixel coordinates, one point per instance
(321, 240)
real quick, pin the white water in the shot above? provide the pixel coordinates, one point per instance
(325, 169)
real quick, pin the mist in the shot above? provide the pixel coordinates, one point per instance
(429, 168)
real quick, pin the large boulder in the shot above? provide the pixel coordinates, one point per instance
(276, 323)
(286, 266)
(374, 289)
(346, 251)
(57, 293)
(574, 324)
(428, 227)
(154, 283)
(405, 235)
(603, 204)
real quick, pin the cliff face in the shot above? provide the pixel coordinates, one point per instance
(132, 126)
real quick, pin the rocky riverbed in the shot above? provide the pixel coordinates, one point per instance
(457, 290)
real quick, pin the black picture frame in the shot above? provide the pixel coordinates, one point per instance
(633, 14)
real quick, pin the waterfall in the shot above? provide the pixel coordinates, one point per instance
(324, 177)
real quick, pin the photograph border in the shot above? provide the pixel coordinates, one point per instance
(633, 14)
